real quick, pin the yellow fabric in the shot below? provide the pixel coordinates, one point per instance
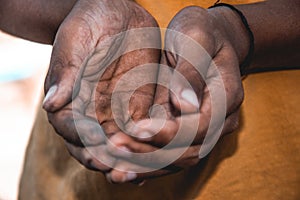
(259, 161)
(165, 10)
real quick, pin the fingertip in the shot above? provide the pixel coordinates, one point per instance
(190, 97)
(186, 101)
(117, 146)
(49, 97)
(130, 176)
(145, 130)
(120, 151)
(56, 98)
(144, 136)
(140, 126)
(121, 176)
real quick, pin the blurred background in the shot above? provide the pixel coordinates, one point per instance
(23, 67)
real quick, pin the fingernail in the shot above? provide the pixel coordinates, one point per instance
(124, 151)
(144, 135)
(130, 176)
(190, 96)
(50, 93)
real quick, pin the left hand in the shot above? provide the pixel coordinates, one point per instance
(209, 107)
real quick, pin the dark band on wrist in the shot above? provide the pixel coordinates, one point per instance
(249, 56)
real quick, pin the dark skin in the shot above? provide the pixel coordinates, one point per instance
(92, 104)
(218, 30)
(221, 33)
(84, 38)
(34, 20)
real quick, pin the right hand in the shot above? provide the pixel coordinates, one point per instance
(205, 47)
(83, 74)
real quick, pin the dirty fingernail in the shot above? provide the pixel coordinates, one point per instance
(190, 97)
(144, 135)
(50, 93)
(124, 151)
(130, 176)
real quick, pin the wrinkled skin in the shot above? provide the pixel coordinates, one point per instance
(83, 70)
(207, 29)
(204, 27)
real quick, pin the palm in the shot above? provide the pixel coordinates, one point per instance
(94, 52)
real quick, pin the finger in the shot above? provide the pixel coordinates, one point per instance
(223, 94)
(184, 130)
(187, 87)
(232, 123)
(227, 73)
(161, 107)
(222, 73)
(77, 124)
(94, 158)
(76, 128)
(72, 45)
(126, 172)
(123, 146)
(156, 131)
(191, 62)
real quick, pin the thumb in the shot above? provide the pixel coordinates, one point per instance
(71, 48)
(190, 61)
(187, 87)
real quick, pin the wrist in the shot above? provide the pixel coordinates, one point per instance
(234, 30)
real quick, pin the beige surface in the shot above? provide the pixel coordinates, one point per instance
(18, 100)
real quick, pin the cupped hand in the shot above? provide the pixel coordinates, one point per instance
(205, 48)
(92, 51)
